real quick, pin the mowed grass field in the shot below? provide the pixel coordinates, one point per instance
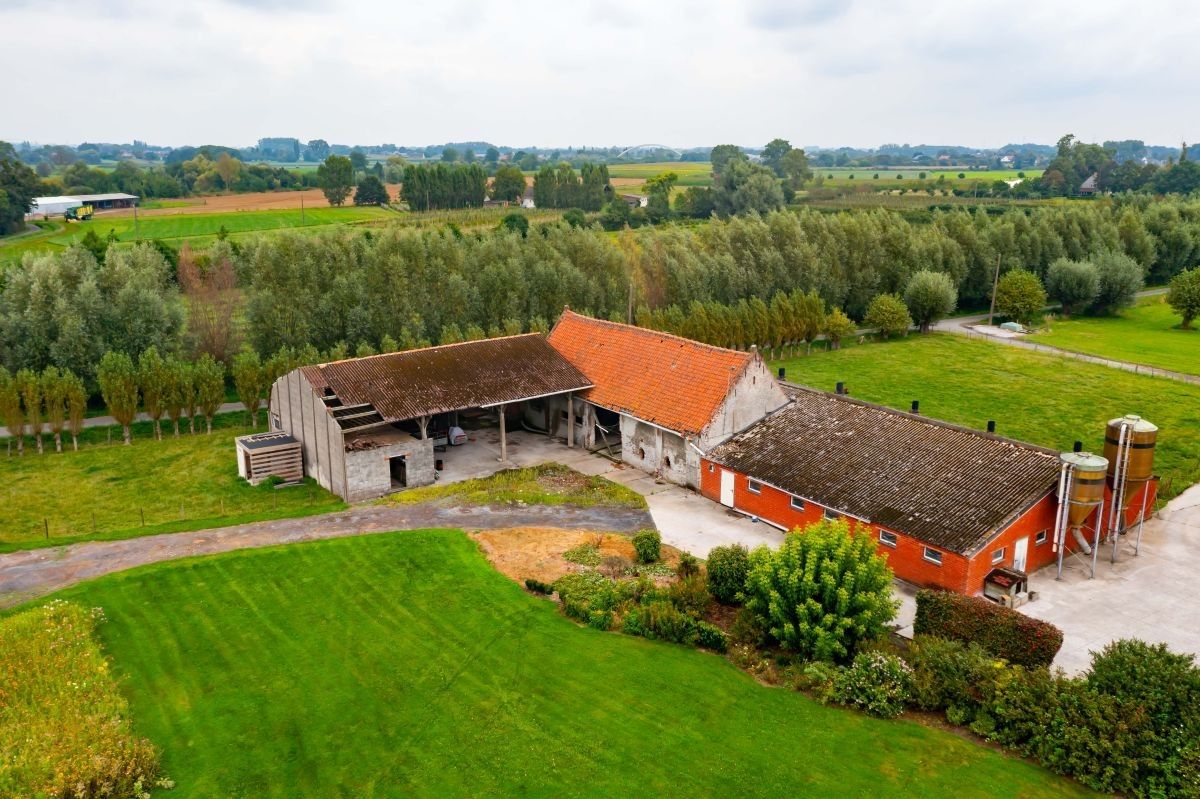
(103, 490)
(1147, 333)
(1043, 399)
(691, 173)
(404, 665)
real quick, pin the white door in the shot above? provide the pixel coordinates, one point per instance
(1020, 550)
(727, 488)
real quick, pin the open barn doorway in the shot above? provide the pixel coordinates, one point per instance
(398, 467)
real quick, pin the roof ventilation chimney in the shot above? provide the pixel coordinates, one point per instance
(992, 426)
(916, 406)
(841, 388)
(1078, 446)
(782, 373)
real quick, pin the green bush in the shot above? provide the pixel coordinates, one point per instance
(950, 675)
(1003, 632)
(726, 570)
(690, 595)
(538, 587)
(823, 592)
(816, 678)
(710, 636)
(660, 620)
(688, 565)
(647, 545)
(600, 620)
(874, 683)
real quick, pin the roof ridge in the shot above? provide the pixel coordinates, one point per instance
(651, 331)
(926, 419)
(427, 349)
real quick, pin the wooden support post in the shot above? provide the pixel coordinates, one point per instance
(503, 438)
(570, 419)
(423, 423)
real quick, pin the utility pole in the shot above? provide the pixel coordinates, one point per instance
(137, 234)
(302, 209)
(995, 283)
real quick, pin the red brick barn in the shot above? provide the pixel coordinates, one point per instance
(946, 504)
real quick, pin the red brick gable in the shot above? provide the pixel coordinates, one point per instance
(670, 381)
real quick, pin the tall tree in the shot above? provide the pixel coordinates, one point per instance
(10, 409)
(723, 154)
(1020, 296)
(30, 387)
(76, 405)
(930, 296)
(154, 383)
(336, 177)
(213, 300)
(773, 153)
(508, 184)
(358, 160)
(809, 313)
(118, 379)
(210, 388)
(1183, 296)
(18, 186)
(1074, 284)
(250, 381)
(54, 396)
(371, 191)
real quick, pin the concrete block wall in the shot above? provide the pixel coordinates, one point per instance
(368, 473)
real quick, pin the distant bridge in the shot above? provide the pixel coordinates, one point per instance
(627, 150)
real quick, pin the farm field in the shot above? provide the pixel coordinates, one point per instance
(185, 483)
(403, 664)
(1147, 333)
(249, 201)
(1043, 399)
(838, 175)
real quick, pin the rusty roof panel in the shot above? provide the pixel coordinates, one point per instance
(453, 377)
(945, 485)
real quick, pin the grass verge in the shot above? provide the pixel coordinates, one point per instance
(547, 484)
(109, 491)
(1043, 399)
(1147, 333)
(404, 665)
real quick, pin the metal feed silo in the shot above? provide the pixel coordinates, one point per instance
(1080, 493)
(1129, 443)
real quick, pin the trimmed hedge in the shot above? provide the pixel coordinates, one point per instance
(1003, 632)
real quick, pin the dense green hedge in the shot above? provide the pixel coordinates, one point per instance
(1001, 631)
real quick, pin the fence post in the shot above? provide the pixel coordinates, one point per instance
(142, 511)
(93, 522)
(46, 526)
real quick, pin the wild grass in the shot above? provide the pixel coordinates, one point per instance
(1043, 399)
(1147, 333)
(547, 484)
(403, 665)
(107, 491)
(65, 728)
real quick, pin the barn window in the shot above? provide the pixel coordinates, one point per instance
(998, 555)
(710, 468)
(887, 539)
(753, 486)
(1040, 538)
(797, 503)
(832, 515)
(641, 454)
(933, 556)
(667, 461)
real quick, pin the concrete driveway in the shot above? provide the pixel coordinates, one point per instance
(1151, 596)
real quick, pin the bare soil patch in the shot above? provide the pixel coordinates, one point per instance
(250, 201)
(537, 552)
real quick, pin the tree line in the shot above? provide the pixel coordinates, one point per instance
(562, 187)
(396, 288)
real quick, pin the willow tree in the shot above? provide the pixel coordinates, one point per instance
(54, 396)
(10, 409)
(118, 379)
(30, 387)
(77, 397)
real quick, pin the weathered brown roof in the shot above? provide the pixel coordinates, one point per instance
(670, 381)
(452, 377)
(945, 485)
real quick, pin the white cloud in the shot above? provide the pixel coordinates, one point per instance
(685, 73)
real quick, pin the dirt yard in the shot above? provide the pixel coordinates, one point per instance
(537, 552)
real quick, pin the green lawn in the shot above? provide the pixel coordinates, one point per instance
(547, 484)
(1147, 333)
(187, 483)
(1044, 399)
(691, 173)
(403, 665)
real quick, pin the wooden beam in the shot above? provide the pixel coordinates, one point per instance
(503, 438)
(570, 419)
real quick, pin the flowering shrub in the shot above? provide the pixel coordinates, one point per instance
(1001, 631)
(875, 683)
(64, 726)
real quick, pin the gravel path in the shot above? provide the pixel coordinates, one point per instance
(29, 574)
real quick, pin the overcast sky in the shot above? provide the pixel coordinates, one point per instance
(575, 72)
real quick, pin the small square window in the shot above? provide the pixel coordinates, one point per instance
(1040, 538)
(998, 555)
(933, 556)
(797, 503)
(753, 486)
(832, 515)
(710, 468)
(887, 539)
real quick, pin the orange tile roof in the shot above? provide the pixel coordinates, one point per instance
(673, 382)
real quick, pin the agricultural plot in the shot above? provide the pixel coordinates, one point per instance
(632, 177)
(112, 491)
(403, 664)
(1147, 333)
(1043, 399)
(840, 176)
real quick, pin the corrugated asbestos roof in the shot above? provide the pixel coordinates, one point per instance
(673, 382)
(453, 377)
(948, 486)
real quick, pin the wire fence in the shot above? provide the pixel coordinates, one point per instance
(1135, 368)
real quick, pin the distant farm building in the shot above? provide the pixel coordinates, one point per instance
(45, 206)
(635, 200)
(1089, 186)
